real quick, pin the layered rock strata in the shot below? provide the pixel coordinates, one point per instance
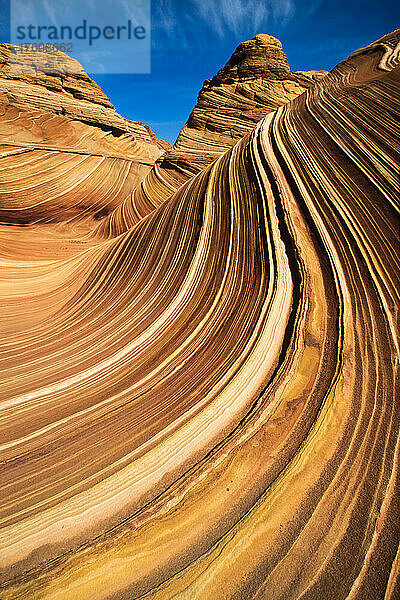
(206, 405)
(66, 154)
(255, 81)
(56, 83)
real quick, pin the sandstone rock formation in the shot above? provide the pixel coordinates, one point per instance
(59, 127)
(255, 81)
(56, 83)
(206, 405)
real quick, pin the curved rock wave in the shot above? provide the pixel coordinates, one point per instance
(206, 405)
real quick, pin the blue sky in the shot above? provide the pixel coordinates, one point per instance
(192, 39)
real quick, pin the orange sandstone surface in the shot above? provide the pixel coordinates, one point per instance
(199, 346)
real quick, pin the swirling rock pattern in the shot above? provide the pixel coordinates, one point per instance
(255, 81)
(206, 405)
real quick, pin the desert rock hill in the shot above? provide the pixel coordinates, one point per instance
(255, 81)
(61, 127)
(56, 83)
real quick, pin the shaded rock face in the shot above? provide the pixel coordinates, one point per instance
(56, 83)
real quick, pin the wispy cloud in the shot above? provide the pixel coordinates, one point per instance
(165, 16)
(238, 16)
(189, 24)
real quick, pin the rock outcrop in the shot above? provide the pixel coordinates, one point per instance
(206, 406)
(58, 126)
(255, 81)
(56, 83)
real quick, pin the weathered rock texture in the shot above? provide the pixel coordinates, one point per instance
(59, 127)
(206, 405)
(255, 81)
(56, 83)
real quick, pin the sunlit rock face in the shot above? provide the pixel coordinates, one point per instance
(206, 405)
(255, 81)
(66, 154)
(56, 83)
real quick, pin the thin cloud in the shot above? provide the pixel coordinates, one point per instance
(237, 16)
(191, 24)
(165, 17)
